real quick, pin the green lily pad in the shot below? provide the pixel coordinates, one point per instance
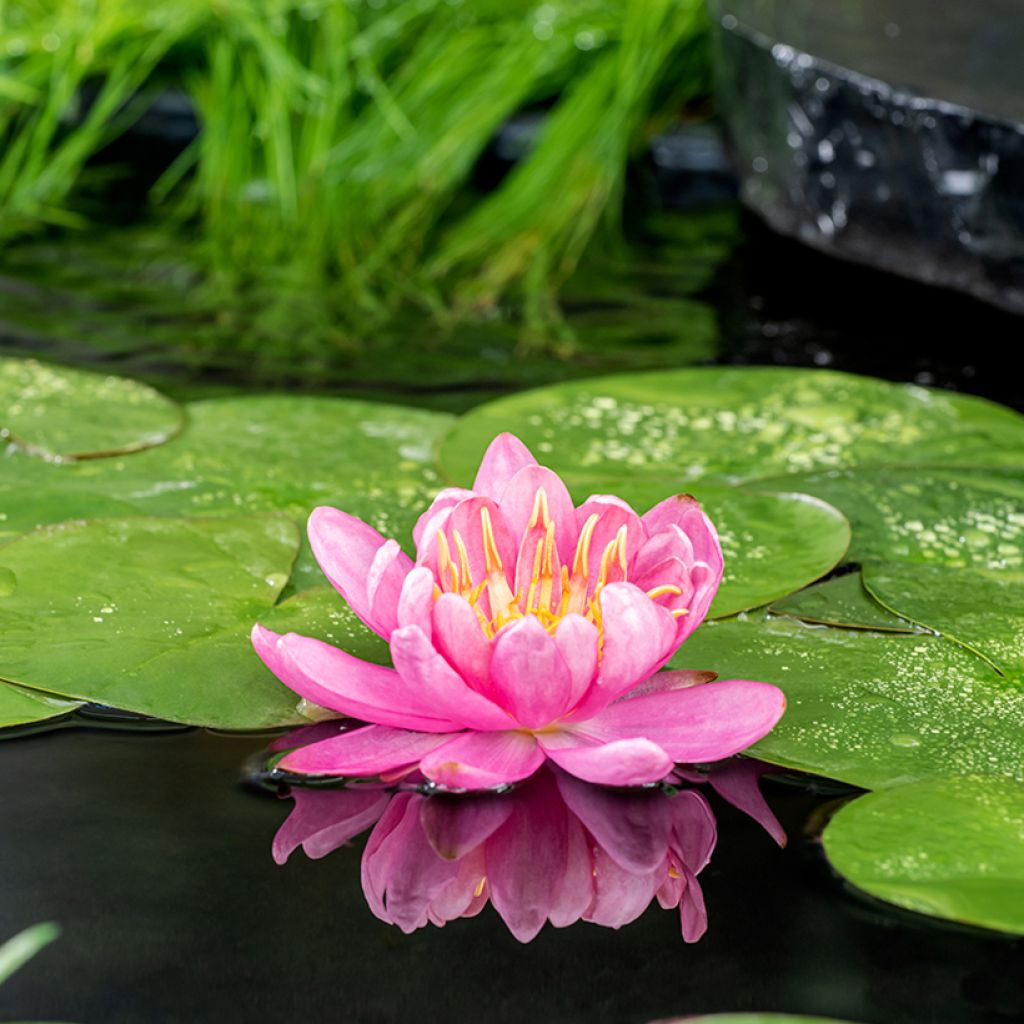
(773, 544)
(870, 709)
(736, 425)
(981, 608)
(274, 453)
(950, 848)
(150, 615)
(841, 601)
(22, 707)
(64, 413)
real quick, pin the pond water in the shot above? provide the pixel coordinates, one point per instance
(152, 847)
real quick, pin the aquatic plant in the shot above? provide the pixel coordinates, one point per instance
(332, 177)
(526, 630)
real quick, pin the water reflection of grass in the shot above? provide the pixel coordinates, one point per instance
(339, 139)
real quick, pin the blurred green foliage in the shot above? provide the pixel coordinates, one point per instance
(332, 179)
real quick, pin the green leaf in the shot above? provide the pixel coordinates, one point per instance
(64, 413)
(17, 952)
(841, 601)
(150, 615)
(943, 548)
(981, 608)
(274, 453)
(22, 707)
(773, 543)
(871, 709)
(948, 847)
(752, 1018)
(323, 614)
(736, 424)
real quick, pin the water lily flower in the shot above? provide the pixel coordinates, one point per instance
(553, 850)
(525, 630)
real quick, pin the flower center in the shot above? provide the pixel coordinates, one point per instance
(554, 589)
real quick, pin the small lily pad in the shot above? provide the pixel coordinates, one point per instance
(773, 544)
(58, 412)
(949, 847)
(841, 601)
(150, 615)
(737, 425)
(870, 709)
(22, 707)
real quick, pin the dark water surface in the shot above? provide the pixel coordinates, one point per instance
(156, 862)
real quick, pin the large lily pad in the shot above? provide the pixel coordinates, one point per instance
(871, 709)
(773, 543)
(751, 1018)
(841, 601)
(150, 615)
(22, 707)
(250, 454)
(737, 424)
(948, 847)
(66, 413)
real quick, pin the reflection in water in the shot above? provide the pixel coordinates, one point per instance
(551, 849)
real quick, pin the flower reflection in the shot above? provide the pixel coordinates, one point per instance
(552, 849)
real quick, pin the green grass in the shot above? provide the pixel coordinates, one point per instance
(331, 184)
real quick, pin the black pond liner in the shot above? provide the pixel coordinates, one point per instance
(153, 854)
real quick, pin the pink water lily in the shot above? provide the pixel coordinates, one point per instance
(526, 629)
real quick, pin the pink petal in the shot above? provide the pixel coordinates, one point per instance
(684, 511)
(674, 679)
(633, 762)
(669, 542)
(529, 677)
(694, 829)
(517, 504)
(416, 601)
(524, 872)
(632, 828)
(458, 898)
(577, 639)
(324, 819)
(428, 675)
(736, 781)
(454, 826)
(505, 456)
(620, 896)
(388, 571)
(693, 914)
(371, 750)
(697, 724)
(459, 638)
(334, 679)
(402, 876)
(446, 499)
(704, 582)
(483, 760)
(576, 889)
(639, 637)
(613, 514)
(345, 547)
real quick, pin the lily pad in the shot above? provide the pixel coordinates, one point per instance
(150, 615)
(981, 608)
(737, 425)
(751, 1018)
(841, 601)
(870, 709)
(65, 413)
(947, 847)
(22, 707)
(773, 544)
(272, 453)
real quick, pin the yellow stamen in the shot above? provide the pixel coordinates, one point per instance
(581, 563)
(680, 612)
(465, 576)
(663, 590)
(540, 513)
(492, 559)
(479, 890)
(444, 561)
(547, 573)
